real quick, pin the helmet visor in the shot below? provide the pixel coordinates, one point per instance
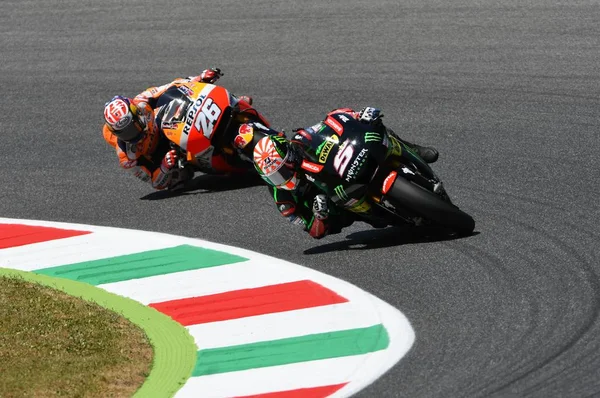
(283, 178)
(132, 132)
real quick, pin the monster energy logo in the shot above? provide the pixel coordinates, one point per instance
(339, 191)
(279, 139)
(372, 137)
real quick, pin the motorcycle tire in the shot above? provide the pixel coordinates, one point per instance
(430, 206)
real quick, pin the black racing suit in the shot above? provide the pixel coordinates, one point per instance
(297, 205)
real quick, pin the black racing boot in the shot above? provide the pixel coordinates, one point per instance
(427, 153)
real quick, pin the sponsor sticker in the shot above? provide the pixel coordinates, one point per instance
(372, 137)
(361, 206)
(315, 129)
(191, 114)
(244, 137)
(341, 193)
(186, 90)
(388, 182)
(356, 165)
(312, 167)
(325, 148)
(123, 122)
(334, 125)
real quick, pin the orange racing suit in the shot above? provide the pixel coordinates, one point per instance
(144, 158)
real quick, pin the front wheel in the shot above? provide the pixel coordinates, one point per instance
(430, 206)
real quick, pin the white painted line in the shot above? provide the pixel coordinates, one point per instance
(366, 368)
(278, 378)
(402, 337)
(329, 318)
(78, 249)
(243, 275)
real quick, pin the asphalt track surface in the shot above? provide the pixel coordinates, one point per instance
(507, 91)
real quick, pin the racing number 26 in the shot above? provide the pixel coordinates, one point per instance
(206, 119)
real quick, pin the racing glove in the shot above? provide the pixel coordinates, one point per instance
(210, 75)
(320, 207)
(320, 226)
(169, 161)
(246, 98)
(370, 115)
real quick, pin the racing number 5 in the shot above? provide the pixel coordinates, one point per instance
(342, 158)
(205, 121)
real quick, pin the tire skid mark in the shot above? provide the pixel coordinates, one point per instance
(563, 357)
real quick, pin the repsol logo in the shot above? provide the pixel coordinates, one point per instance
(191, 115)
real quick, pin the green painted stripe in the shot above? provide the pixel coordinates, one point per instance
(142, 265)
(174, 347)
(291, 350)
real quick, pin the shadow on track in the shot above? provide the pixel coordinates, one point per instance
(206, 183)
(386, 237)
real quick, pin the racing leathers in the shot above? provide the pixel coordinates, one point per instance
(310, 210)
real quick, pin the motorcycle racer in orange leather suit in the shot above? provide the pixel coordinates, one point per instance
(142, 149)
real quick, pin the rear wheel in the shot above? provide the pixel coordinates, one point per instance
(430, 206)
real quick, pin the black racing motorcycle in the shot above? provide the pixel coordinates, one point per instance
(365, 170)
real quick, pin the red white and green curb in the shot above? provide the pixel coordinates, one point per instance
(261, 326)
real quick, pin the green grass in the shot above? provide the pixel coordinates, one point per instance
(53, 344)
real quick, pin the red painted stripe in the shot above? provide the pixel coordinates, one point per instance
(12, 235)
(314, 392)
(249, 302)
